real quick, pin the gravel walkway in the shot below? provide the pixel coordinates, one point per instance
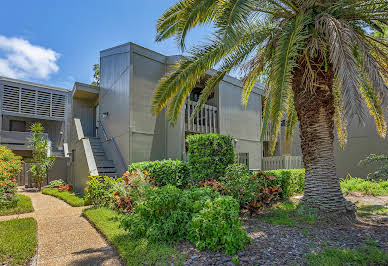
(64, 236)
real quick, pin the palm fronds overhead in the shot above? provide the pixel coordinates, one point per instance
(278, 37)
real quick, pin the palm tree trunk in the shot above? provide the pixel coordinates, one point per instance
(315, 109)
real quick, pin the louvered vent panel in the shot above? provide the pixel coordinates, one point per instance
(28, 101)
(58, 106)
(33, 102)
(11, 99)
(43, 103)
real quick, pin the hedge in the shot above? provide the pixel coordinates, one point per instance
(290, 180)
(165, 172)
(209, 155)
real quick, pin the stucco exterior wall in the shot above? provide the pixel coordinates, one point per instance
(86, 112)
(362, 141)
(148, 132)
(241, 123)
(114, 98)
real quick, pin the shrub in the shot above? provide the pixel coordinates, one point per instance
(165, 172)
(252, 191)
(209, 155)
(381, 162)
(216, 226)
(170, 214)
(132, 190)
(99, 191)
(370, 187)
(56, 183)
(10, 164)
(291, 181)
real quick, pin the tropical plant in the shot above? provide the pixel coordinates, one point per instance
(10, 164)
(43, 161)
(382, 163)
(96, 75)
(321, 60)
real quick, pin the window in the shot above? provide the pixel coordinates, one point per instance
(243, 158)
(17, 125)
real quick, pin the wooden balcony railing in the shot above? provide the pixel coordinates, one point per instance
(205, 122)
(267, 134)
(281, 162)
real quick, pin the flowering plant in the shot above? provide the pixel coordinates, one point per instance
(10, 164)
(65, 187)
(133, 188)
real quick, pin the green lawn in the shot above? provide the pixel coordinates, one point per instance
(24, 205)
(133, 251)
(73, 200)
(290, 214)
(369, 210)
(368, 255)
(18, 241)
(368, 187)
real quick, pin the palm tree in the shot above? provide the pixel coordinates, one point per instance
(321, 59)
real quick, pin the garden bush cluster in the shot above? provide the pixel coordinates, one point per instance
(10, 167)
(173, 172)
(198, 201)
(209, 155)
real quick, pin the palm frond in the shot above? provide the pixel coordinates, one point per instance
(374, 105)
(291, 121)
(340, 41)
(339, 115)
(290, 45)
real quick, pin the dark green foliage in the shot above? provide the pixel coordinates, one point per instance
(381, 161)
(291, 181)
(170, 214)
(252, 191)
(140, 251)
(165, 172)
(99, 191)
(217, 226)
(209, 155)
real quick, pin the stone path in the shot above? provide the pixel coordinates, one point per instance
(64, 236)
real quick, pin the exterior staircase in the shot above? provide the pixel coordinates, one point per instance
(105, 167)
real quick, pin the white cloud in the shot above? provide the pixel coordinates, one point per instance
(20, 59)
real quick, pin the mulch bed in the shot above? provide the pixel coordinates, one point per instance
(282, 245)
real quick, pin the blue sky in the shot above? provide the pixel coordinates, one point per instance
(56, 42)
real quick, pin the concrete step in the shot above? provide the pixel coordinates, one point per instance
(94, 140)
(99, 157)
(109, 174)
(104, 163)
(106, 169)
(97, 149)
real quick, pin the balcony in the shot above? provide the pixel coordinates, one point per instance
(205, 122)
(16, 140)
(281, 162)
(267, 133)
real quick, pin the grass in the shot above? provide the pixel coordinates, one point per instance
(24, 205)
(291, 214)
(18, 241)
(367, 255)
(368, 187)
(369, 210)
(132, 251)
(68, 197)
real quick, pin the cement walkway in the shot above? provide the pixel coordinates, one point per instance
(64, 236)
